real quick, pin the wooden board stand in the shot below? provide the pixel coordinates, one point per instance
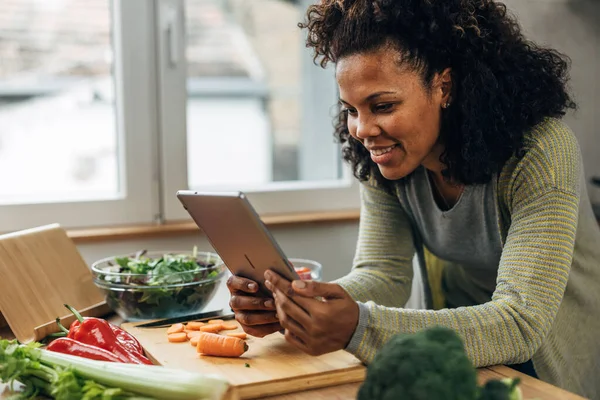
(40, 271)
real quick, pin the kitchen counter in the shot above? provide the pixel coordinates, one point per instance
(532, 388)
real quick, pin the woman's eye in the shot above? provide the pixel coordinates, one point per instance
(383, 107)
(349, 111)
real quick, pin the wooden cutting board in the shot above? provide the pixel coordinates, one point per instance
(41, 269)
(274, 366)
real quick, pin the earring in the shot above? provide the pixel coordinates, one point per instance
(446, 105)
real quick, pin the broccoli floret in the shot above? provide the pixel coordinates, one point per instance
(503, 389)
(428, 365)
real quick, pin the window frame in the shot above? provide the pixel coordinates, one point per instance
(305, 195)
(136, 111)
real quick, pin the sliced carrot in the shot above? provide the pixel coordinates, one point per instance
(211, 344)
(302, 270)
(194, 340)
(213, 328)
(194, 325)
(241, 335)
(175, 328)
(229, 326)
(177, 337)
(192, 334)
(216, 321)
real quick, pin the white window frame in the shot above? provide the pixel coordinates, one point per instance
(305, 195)
(136, 111)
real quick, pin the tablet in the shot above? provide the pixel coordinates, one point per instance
(237, 234)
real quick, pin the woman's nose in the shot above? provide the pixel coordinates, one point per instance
(366, 127)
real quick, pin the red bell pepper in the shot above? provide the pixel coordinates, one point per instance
(99, 332)
(69, 346)
(126, 339)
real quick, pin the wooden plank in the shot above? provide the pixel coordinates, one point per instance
(339, 392)
(534, 388)
(273, 366)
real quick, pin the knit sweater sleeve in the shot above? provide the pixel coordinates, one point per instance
(542, 199)
(382, 271)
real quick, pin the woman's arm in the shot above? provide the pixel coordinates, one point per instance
(532, 275)
(383, 265)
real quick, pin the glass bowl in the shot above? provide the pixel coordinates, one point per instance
(161, 284)
(307, 269)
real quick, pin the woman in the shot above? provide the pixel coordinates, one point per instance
(451, 122)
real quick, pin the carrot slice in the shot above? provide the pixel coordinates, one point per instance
(216, 321)
(211, 344)
(241, 335)
(194, 325)
(213, 328)
(175, 328)
(229, 326)
(192, 334)
(194, 340)
(177, 337)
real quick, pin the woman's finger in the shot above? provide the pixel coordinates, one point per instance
(289, 323)
(261, 330)
(294, 340)
(239, 284)
(277, 282)
(252, 318)
(240, 302)
(291, 309)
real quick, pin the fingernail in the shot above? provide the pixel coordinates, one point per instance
(267, 275)
(269, 304)
(276, 316)
(299, 284)
(252, 286)
(269, 285)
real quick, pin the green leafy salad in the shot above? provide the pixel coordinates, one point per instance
(147, 286)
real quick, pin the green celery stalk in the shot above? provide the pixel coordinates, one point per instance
(149, 380)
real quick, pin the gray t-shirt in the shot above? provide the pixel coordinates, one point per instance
(466, 235)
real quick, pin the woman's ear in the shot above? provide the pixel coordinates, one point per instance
(445, 87)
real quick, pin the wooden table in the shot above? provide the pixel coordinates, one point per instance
(532, 388)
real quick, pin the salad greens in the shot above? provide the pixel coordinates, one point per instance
(148, 286)
(168, 269)
(66, 377)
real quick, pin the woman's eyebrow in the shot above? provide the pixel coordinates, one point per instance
(370, 97)
(376, 95)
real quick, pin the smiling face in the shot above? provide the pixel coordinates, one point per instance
(391, 111)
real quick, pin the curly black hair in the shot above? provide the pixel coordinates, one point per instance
(503, 84)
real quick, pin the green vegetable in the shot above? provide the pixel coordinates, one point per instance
(503, 389)
(429, 365)
(66, 377)
(166, 270)
(247, 365)
(166, 285)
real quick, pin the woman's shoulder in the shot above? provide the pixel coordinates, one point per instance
(553, 139)
(550, 158)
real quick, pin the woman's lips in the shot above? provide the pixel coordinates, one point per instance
(383, 156)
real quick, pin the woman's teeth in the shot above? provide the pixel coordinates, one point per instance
(379, 152)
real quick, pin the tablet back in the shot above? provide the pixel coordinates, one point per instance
(237, 234)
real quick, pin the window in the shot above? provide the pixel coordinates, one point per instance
(107, 108)
(258, 112)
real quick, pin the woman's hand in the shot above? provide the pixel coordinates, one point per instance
(255, 313)
(316, 326)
